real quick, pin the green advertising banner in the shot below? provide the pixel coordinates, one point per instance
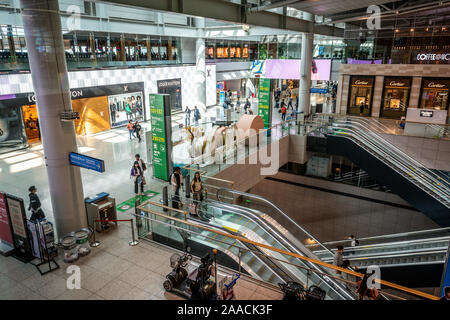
(264, 101)
(159, 137)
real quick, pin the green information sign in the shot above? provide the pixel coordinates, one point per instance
(160, 136)
(264, 101)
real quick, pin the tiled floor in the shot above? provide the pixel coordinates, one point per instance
(112, 271)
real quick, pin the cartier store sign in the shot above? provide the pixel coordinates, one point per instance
(438, 84)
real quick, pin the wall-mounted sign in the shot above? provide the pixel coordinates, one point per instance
(83, 161)
(426, 113)
(433, 57)
(161, 135)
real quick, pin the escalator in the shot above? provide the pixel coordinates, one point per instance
(424, 189)
(263, 264)
(414, 263)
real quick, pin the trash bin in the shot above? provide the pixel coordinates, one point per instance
(82, 236)
(69, 245)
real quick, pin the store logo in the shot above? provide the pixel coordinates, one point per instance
(396, 84)
(125, 88)
(74, 94)
(360, 82)
(208, 72)
(435, 85)
(433, 56)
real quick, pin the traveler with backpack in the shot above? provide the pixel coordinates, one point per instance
(137, 128)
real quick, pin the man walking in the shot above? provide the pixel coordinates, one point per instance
(187, 118)
(196, 115)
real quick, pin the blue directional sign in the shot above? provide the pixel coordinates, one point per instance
(318, 90)
(80, 160)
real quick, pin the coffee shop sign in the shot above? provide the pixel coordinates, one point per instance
(73, 93)
(433, 56)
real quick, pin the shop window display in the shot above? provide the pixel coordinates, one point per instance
(360, 100)
(435, 94)
(30, 117)
(395, 97)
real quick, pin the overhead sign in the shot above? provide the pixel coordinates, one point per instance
(83, 161)
(318, 90)
(161, 135)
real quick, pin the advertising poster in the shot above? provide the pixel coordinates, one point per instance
(264, 101)
(5, 228)
(17, 217)
(160, 135)
(290, 69)
(125, 107)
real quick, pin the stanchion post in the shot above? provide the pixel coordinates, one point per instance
(94, 243)
(133, 241)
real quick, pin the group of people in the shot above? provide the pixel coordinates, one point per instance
(284, 101)
(134, 129)
(187, 117)
(196, 187)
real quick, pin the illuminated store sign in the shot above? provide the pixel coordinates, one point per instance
(396, 84)
(426, 113)
(433, 56)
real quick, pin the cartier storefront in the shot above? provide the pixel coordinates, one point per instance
(395, 100)
(434, 93)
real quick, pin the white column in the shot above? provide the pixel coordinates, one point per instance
(305, 69)
(43, 35)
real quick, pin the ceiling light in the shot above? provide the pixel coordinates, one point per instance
(396, 30)
(412, 29)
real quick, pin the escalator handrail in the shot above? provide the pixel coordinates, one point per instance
(382, 144)
(387, 236)
(257, 197)
(364, 125)
(314, 261)
(385, 155)
(393, 244)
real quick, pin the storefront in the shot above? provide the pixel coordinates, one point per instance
(101, 108)
(360, 96)
(173, 88)
(395, 99)
(434, 93)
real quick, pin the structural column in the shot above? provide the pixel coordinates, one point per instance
(305, 69)
(43, 35)
(200, 76)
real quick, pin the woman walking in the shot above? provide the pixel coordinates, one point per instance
(138, 177)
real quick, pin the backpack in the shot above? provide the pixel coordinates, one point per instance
(356, 242)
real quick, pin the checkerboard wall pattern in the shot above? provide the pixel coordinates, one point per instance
(22, 83)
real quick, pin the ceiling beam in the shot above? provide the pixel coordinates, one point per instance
(230, 12)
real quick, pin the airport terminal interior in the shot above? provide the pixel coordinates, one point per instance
(224, 150)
